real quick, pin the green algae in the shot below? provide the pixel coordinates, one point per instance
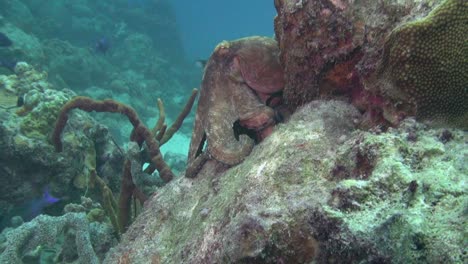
(406, 205)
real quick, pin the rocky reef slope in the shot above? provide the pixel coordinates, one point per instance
(359, 180)
(316, 190)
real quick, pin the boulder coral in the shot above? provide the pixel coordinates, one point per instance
(391, 59)
(425, 65)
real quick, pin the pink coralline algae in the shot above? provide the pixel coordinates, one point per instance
(359, 51)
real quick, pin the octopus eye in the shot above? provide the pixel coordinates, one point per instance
(222, 47)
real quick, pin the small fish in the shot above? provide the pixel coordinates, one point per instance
(9, 64)
(102, 45)
(20, 101)
(201, 63)
(8, 100)
(5, 41)
(30, 209)
(36, 206)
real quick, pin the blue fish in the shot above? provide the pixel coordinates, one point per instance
(29, 209)
(5, 41)
(35, 207)
(102, 45)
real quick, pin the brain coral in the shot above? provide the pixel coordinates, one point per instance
(425, 65)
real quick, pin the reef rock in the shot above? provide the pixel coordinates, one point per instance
(26, 47)
(28, 161)
(424, 66)
(317, 190)
(386, 57)
(65, 62)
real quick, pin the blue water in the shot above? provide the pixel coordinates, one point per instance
(132, 51)
(205, 23)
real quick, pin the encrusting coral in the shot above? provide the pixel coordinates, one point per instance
(424, 67)
(45, 231)
(390, 59)
(317, 190)
(314, 37)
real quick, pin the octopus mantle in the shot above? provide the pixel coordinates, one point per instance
(239, 79)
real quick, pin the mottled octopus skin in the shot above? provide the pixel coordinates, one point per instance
(239, 77)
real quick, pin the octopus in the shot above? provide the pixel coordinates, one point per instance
(239, 87)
